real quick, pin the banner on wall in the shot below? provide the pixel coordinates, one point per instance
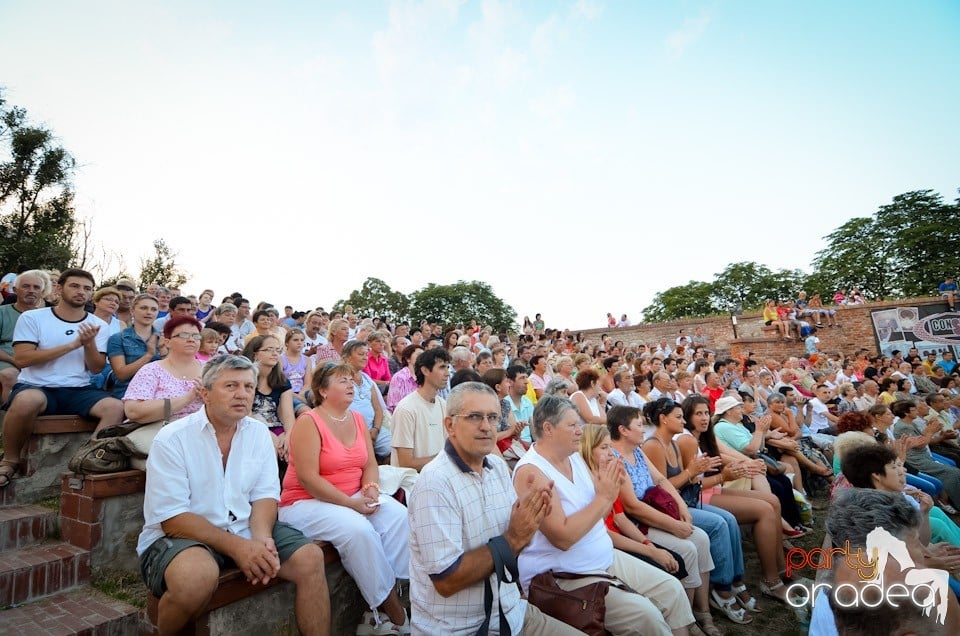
(928, 328)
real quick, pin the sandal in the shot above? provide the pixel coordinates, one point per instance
(8, 470)
(777, 592)
(750, 603)
(729, 608)
(705, 623)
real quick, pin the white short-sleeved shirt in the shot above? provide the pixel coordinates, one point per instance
(45, 329)
(452, 511)
(418, 425)
(185, 473)
(818, 420)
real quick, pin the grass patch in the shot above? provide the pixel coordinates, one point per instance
(123, 586)
(50, 503)
(776, 618)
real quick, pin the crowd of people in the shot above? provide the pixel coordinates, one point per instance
(519, 454)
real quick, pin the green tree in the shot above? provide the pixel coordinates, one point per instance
(904, 250)
(376, 298)
(923, 238)
(682, 301)
(742, 286)
(36, 197)
(162, 267)
(461, 302)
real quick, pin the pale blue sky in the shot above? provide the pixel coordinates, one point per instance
(578, 156)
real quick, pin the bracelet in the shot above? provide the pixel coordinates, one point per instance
(374, 484)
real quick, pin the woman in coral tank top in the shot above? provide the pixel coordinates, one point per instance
(331, 493)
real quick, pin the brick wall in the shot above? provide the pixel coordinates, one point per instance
(856, 332)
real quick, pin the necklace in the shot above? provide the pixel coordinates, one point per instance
(335, 419)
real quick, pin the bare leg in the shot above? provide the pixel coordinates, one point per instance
(108, 411)
(763, 513)
(312, 604)
(8, 377)
(191, 579)
(18, 423)
(394, 609)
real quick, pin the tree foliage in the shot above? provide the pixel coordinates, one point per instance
(376, 298)
(692, 299)
(457, 303)
(905, 249)
(36, 197)
(461, 302)
(162, 267)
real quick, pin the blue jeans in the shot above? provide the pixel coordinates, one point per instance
(726, 545)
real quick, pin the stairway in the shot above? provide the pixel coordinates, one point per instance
(45, 583)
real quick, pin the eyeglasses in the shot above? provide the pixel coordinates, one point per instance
(187, 336)
(477, 418)
(271, 350)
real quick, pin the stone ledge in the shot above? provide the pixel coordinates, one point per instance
(52, 424)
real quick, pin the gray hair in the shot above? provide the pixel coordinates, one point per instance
(856, 512)
(350, 346)
(226, 308)
(44, 277)
(459, 354)
(458, 394)
(550, 408)
(214, 368)
(776, 397)
(557, 386)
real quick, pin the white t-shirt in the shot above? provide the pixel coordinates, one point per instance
(311, 342)
(418, 425)
(45, 329)
(818, 421)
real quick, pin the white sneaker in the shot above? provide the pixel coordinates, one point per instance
(371, 625)
(947, 508)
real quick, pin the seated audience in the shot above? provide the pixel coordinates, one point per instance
(404, 381)
(273, 401)
(366, 397)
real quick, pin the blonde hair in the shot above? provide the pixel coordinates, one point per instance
(106, 291)
(850, 440)
(210, 335)
(593, 436)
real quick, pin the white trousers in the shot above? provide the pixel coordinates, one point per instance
(374, 549)
(695, 551)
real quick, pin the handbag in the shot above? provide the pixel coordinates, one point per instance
(96, 456)
(690, 493)
(583, 608)
(658, 499)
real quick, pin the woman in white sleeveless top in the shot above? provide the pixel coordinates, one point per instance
(573, 537)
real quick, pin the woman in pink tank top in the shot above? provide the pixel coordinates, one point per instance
(331, 493)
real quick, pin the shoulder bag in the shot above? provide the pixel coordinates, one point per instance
(583, 608)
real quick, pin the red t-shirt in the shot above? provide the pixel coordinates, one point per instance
(617, 509)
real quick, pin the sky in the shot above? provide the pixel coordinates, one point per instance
(578, 156)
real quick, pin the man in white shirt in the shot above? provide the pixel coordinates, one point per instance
(869, 397)
(57, 349)
(821, 420)
(661, 386)
(626, 392)
(313, 337)
(417, 424)
(201, 514)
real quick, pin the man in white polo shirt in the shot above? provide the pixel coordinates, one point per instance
(462, 508)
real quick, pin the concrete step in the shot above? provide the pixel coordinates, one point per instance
(21, 526)
(41, 570)
(80, 612)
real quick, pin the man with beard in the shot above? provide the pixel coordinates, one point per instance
(57, 349)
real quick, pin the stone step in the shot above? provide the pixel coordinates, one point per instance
(21, 526)
(36, 571)
(80, 612)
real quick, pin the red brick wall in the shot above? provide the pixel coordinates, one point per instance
(856, 331)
